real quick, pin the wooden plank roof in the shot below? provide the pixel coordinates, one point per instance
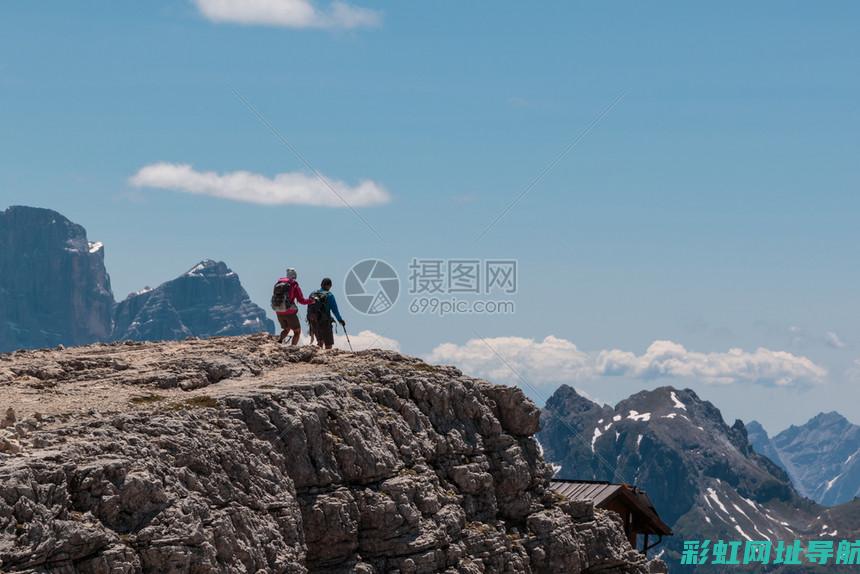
(601, 492)
(595, 491)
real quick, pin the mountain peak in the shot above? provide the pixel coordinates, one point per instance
(208, 300)
(823, 457)
(668, 441)
(755, 427)
(828, 419)
(73, 307)
(34, 212)
(670, 402)
(569, 398)
(210, 268)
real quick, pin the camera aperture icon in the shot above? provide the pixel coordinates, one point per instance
(372, 286)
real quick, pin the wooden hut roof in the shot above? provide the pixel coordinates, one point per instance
(600, 493)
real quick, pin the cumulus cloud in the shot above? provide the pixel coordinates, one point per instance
(833, 340)
(366, 340)
(288, 13)
(361, 341)
(669, 359)
(295, 188)
(550, 361)
(556, 360)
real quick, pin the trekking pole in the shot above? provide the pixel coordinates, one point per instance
(347, 338)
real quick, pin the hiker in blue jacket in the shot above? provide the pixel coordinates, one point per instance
(323, 305)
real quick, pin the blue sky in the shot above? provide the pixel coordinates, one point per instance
(714, 206)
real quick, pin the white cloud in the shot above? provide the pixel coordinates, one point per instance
(288, 13)
(366, 340)
(361, 341)
(833, 340)
(550, 361)
(669, 359)
(555, 360)
(294, 188)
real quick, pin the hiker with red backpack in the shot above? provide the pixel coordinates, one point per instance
(320, 310)
(284, 297)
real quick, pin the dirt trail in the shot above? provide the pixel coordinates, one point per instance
(103, 379)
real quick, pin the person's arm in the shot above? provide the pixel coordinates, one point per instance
(300, 296)
(332, 304)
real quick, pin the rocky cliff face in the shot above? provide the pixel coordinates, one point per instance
(53, 284)
(240, 455)
(822, 457)
(702, 474)
(207, 301)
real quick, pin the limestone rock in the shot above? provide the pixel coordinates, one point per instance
(286, 460)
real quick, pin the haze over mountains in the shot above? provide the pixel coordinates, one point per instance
(703, 475)
(54, 289)
(822, 456)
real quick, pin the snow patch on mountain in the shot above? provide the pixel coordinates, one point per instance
(634, 415)
(596, 436)
(742, 533)
(712, 494)
(678, 404)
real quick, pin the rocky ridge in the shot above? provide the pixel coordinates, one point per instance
(240, 455)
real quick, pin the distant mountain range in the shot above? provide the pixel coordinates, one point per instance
(822, 457)
(704, 477)
(54, 289)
